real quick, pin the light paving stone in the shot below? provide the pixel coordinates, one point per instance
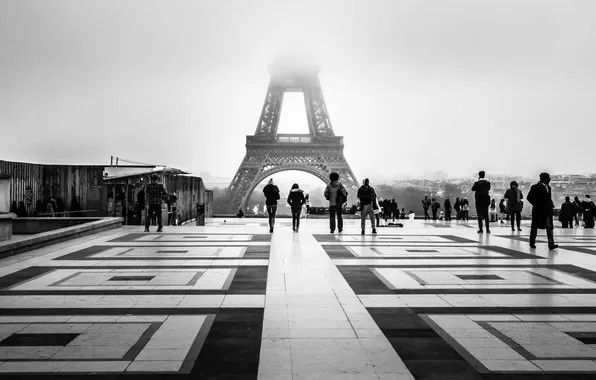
(27, 352)
(154, 366)
(241, 300)
(565, 365)
(94, 366)
(31, 367)
(509, 365)
(162, 354)
(91, 352)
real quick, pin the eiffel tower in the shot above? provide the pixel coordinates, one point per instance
(319, 153)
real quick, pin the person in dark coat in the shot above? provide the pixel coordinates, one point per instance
(589, 211)
(465, 209)
(435, 206)
(425, 205)
(447, 206)
(502, 210)
(271, 193)
(457, 207)
(481, 189)
(540, 197)
(514, 204)
(577, 209)
(367, 195)
(14, 208)
(296, 200)
(22, 210)
(394, 210)
(566, 214)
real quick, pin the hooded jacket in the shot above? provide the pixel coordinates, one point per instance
(331, 192)
(296, 199)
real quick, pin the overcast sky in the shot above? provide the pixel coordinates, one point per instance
(414, 86)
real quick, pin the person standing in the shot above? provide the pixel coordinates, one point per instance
(457, 207)
(482, 198)
(394, 210)
(540, 197)
(514, 198)
(307, 204)
(447, 206)
(465, 209)
(296, 200)
(577, 208)
(426, 203)
(502, 210)
(337, 195)
(435, 206)
(493, 211)
(154, 195)
(271, 192)
(367, 195)
(566, 214)
(588, 211)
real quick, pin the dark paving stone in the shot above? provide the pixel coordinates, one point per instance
(338, 252)
(249, 280)
(261, 238)
(479, 277)
(38, 339)
(584, 337)
(424, 349)
(132, 278)
(363, 281)
(442, 370)
(22, 275)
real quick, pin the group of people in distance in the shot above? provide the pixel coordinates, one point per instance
(539, 196)
(335, 193)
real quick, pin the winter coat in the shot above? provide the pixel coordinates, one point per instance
(435, 205)
(514, 196)
(296, 199)
(588, 209)
(331, 192)
(447, 205)
(366, 194)
(271, 194)
(540, 198)
(426, 203)
(566, 214)
(481, 189)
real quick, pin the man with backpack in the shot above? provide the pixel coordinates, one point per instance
(336, 194)
(154, 195)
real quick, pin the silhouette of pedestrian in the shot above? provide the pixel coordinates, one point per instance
(426, 203)
(296, 200)
(566, 214)
(540, 197)
(447, 206)
(367, 196)
(336, 194)
(589, 211)
(271, 192)
(435, 208)
(482, 198)
(514, 198)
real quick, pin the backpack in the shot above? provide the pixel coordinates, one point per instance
(340, 198)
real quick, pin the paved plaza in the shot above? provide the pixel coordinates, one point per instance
(232, 301)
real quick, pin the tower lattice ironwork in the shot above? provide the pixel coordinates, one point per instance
(319, 153)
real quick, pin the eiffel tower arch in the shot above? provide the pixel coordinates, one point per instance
(319, 152)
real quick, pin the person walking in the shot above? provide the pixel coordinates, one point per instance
(271, 193)
(588, 211)
(514, 198)
(457, 207)
(482, 198)
(435, 206)
(577, 209)
(566, 214)
(426, 203)
(447, 206)
(540, 197)
(296, 199)
(336, 194)
(465, 209)
(155, 192)
(367, 195)
(502, 210)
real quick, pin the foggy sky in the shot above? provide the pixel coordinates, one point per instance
(414, 86)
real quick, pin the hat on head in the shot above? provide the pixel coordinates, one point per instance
(154, 176)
